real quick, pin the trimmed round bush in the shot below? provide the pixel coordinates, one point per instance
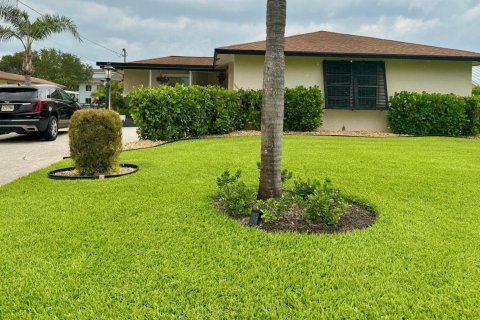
(95, 141)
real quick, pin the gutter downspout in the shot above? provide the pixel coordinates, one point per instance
(150, 78)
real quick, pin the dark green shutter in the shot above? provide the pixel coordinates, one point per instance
(354, 85)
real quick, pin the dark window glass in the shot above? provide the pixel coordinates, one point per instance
(65, 96)
(88, 87)
(56, 94)
(355, 85)
(17, 94)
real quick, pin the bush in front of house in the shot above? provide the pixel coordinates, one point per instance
(95, 141)
(166, 113)
(472, 109)
(303, 108)
(251, 109)
(476, 91)
(428, 114)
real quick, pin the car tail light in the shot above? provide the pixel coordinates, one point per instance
(39, 106)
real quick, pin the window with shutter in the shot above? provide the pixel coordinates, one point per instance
(356, 85)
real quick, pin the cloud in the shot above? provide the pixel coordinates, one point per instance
(152, 28)
(400, 28)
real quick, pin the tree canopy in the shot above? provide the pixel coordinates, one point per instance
(53, 65)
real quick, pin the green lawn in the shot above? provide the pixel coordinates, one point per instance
(149, 245)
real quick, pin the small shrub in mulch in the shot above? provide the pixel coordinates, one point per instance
(95, 137)
(310, 206)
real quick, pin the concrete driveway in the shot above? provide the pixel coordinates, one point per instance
(20, 154)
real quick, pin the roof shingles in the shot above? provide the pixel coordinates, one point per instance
(324, 43)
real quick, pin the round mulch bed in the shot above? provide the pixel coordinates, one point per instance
(72, 174)
(356, 217)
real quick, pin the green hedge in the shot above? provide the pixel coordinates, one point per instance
(472, 105)
(433, 114)
(476, 91)
(303, 108)
(166, 112)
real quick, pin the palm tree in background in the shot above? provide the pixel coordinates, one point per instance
(273, 102)
(19, 26)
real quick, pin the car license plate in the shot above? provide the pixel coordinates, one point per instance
(8, 107)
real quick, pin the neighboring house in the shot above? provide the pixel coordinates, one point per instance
(86, 89)
(13, 78)
(356, 74)
(476, 76)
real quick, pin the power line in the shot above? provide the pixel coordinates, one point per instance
(81, 37)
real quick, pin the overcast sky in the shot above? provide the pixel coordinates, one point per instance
(153, 28)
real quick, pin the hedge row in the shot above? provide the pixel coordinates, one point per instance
(166, 112)
(434, 114)
(476, 91)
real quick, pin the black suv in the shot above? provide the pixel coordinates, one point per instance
(37, 110)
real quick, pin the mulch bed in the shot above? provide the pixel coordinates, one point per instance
(356, 217)
(74, 172)
(142, 144)
(315, 133)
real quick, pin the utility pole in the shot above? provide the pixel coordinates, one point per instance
(124, 55)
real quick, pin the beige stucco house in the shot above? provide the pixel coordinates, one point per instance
(356, 74)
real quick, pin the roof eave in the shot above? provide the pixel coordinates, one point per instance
(351, 55)
(155, 66)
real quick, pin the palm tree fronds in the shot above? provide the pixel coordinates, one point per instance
(7, 33)
(13, 15)
(47, 25)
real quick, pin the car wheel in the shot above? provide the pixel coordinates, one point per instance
(52, 129)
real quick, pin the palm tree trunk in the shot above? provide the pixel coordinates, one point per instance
(273, 102)
(27, 66)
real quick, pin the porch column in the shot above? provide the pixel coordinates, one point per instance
(190, 78)
(149, 78)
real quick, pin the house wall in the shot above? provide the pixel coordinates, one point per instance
(133, 78)
(410, 75)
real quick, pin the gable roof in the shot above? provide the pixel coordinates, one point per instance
(324, 43)
(19, 78)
